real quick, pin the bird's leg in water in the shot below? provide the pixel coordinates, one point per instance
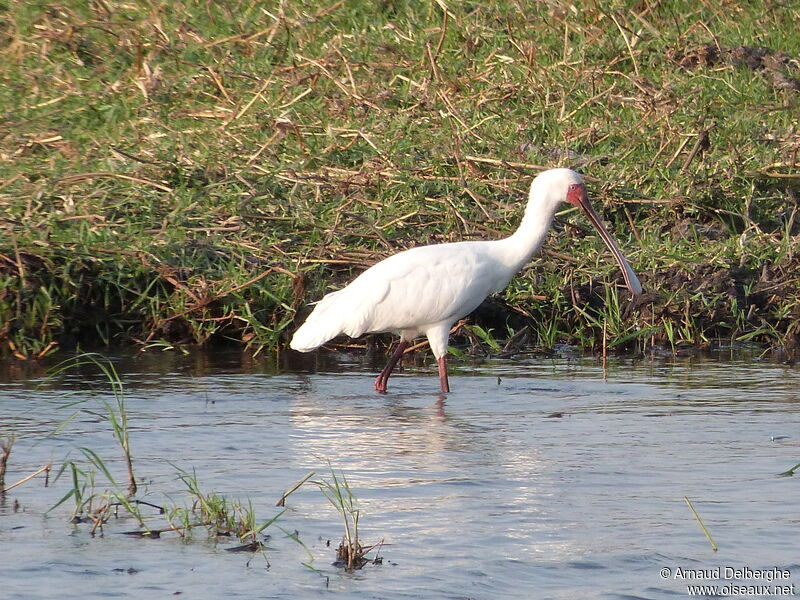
(443, 375)
(383, 379)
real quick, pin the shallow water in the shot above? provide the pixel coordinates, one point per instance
(544, 478)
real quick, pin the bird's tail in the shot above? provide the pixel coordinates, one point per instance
(307, 338)
(320, 326)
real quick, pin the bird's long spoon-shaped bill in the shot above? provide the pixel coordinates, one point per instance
(631, 280)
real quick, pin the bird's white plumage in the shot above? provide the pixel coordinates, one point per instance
(425, 290)
(411, 291)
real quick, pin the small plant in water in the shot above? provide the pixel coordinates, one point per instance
(90, 505)
(221, 515)
(210, 510)
(93, 506)
(350, 554)
(115, 413)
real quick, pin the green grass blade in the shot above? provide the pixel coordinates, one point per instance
(714, 546)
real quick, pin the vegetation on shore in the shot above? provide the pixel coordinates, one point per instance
(194, 172)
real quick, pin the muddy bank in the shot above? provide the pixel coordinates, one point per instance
(62, 302)
(705, 305)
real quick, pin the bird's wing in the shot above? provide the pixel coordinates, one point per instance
(410, 291)
(421, 287)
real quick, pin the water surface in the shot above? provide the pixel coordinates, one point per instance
(543, 478)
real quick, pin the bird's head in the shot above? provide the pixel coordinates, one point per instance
(555, 186)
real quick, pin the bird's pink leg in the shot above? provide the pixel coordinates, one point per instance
(383, 379)
(442, 362)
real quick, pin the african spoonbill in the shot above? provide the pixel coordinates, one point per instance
(425, 290)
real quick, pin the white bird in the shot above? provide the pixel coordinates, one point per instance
(425, 290)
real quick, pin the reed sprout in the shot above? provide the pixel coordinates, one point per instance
(115, 413)
(6, 444)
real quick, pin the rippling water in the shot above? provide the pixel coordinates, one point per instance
(533, 479)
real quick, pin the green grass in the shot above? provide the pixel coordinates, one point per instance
(186, 172)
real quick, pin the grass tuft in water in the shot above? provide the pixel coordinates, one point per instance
(97, 496)
(220, 515)
(350, 554)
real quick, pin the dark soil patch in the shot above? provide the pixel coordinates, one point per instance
(777, 67)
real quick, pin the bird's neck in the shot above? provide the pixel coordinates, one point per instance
(518, 249)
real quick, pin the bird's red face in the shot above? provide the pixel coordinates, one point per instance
(577, 195)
